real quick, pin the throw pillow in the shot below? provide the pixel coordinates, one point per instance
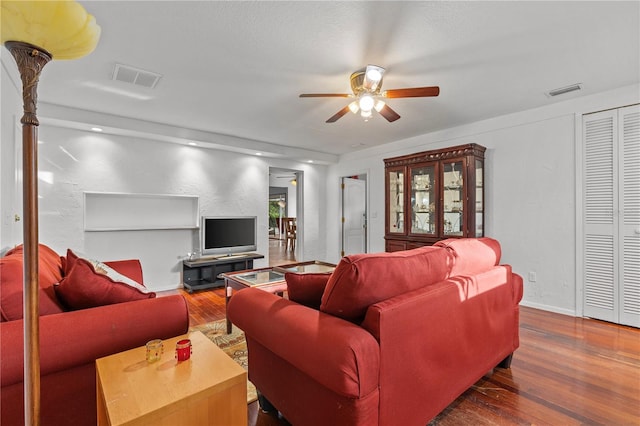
(130, 268)
(472, 255)
(364, 279)
(90, 284)
(306, 289)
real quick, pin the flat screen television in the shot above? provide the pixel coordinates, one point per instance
(228, 235)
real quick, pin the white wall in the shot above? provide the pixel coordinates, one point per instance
(10, 114)
(530, 190)
(74, 161)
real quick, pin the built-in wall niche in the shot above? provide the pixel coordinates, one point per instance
(109, 211)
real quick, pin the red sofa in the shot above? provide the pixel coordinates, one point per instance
(71, 340)
(397, 338)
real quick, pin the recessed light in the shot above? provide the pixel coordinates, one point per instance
(96, 129)
(258, 153)
(310, 161)
(193, 144)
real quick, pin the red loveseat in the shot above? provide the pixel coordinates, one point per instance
(71, 341)
(397, 338)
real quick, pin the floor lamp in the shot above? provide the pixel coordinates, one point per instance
(34, 33)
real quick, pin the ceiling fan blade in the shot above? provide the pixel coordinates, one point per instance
(338, 115)
(325, 95)
(389, 114)
(413, 92)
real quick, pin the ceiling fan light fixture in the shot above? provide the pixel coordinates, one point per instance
(365, 114)
(374, 74)
(354, 107)
(379, 105)
(366, 102)
(372, 77)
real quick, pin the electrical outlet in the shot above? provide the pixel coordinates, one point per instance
(532, 277)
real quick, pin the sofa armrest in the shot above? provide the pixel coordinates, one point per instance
(307, 339)
(456, 331)
(518, 288)
(79, 337)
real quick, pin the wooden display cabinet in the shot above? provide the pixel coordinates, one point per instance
(434, 195)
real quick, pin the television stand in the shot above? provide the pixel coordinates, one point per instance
(202, 273)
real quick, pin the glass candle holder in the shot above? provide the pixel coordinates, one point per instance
(183, 350)
(154, 350)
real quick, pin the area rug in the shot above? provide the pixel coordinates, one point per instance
(233, 344)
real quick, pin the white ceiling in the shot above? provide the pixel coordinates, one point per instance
(237, 68)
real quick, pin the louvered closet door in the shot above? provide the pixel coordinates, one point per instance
(600, 274)
(612, 215)
(629, 131)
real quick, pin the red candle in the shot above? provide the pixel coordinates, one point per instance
(183, 350)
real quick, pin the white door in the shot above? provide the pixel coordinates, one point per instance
(629, 246)
(611, 200)
(354, 216)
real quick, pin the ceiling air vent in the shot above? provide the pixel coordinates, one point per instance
(563, 90)
(135, 76)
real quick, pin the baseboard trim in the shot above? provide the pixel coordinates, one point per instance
(549, 308)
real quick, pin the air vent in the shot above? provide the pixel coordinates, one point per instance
(563, 90)
(135, 76)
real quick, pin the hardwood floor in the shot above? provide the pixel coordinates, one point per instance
(567, 371)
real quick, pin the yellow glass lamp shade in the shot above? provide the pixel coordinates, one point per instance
(63, 28)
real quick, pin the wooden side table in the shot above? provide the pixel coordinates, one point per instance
(208, 389)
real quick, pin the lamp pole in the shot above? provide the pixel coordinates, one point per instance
(30, 60)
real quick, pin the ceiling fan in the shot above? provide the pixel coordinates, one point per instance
(292, 178)
(366, 85)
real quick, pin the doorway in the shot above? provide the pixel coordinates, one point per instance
(285, 201)
(354, 214)
(278, 201)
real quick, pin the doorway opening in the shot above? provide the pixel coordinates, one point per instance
(278, 201)
(354, 227)
(285, 208)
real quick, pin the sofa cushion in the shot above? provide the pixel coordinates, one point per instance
(364, 279)
(472, 255)
(306, 289)
(131, 268)
(90, 284)
(11, 282)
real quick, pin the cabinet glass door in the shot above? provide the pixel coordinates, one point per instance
(423, 200)
(453, 198)
(396, 201)
(479, 212)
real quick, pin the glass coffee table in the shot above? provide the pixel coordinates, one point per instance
(268, 279)
(311, 267)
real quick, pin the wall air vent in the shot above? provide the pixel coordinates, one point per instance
(563, 90)
(135, 76)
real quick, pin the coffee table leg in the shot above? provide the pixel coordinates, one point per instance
(228, 291)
